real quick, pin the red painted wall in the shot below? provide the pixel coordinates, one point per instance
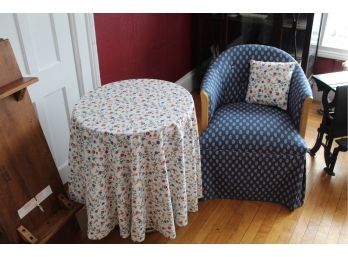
(325, 65)
(143, 46)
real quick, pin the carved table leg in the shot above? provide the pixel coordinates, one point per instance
(317, 144)
(323, 126)
(342, 147)
(329, 168)
(327, 150)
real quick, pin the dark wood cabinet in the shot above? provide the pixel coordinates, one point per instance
(295, 33)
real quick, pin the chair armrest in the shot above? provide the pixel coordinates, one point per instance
(204, 111)
(300, 98)
(212, 86)
(304, 115)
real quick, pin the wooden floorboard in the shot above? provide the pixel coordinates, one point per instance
(255, 224)
(322, 218)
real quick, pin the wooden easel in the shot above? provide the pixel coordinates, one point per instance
(26, 164)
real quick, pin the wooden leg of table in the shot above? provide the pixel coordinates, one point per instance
(329, 168)
(327, 150)
(317, 144)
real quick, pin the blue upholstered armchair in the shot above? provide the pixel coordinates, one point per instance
(252, 151)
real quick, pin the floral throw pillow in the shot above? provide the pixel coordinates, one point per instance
(269, 83)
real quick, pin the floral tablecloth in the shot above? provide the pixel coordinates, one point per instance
(134, 158)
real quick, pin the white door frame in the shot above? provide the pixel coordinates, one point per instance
(84, 45)
(83, 38)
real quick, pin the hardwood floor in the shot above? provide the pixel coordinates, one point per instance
(322, 218)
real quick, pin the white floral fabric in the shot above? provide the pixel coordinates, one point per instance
(134, 158)
(269, 83)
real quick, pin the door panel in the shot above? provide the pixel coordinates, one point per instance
(43, 47)
(44, 37)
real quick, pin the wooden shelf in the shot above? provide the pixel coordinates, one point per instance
(16, 86)
(54, 223)
(27, 166)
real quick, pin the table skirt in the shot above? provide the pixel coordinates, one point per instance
(149, 180)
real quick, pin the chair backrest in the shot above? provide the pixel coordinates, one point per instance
(234, 63)
(339, 124)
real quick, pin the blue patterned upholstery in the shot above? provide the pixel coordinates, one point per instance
(299, 90)
(252, 151)
(226, 80)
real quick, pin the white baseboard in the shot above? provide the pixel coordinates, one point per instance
(187, 81)
(64, 172)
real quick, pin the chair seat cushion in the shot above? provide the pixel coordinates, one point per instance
(252, 128)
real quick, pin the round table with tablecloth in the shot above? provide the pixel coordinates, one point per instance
(134, 158)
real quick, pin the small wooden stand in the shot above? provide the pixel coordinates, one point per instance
(26, 164)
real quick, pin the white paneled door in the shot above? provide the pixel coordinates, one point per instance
(45, 47)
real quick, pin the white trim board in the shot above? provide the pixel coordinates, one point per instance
(187, 81)
(83, 39)
(64, 171)
(93, 50)
(332, 53)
